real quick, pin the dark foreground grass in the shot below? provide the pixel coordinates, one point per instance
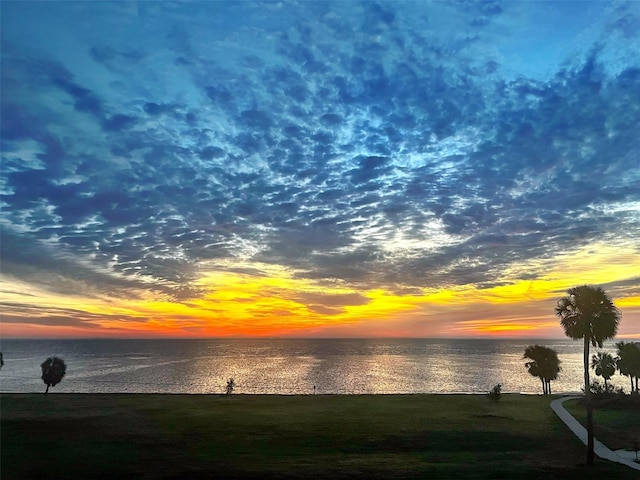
(245, 436)
(616, 420)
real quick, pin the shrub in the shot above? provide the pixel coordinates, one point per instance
(598, 388)
(494, 394)
(230, 386)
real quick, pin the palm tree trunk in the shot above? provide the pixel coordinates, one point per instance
(589, 404)
(544, 390)
(549, 387)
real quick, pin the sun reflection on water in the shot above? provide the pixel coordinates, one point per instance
(290, 367)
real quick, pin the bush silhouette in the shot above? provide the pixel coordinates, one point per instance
(494, 394)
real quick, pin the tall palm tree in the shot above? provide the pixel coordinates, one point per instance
(544, 364)
(588, 313)
(605, 366)
(53, 370)
(628, 362)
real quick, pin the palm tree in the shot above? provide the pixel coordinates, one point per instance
(628, 362)
(53, 370)
(605, 366)
(588, 313)
(544, 364)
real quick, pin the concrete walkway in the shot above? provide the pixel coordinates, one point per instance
(625, 457)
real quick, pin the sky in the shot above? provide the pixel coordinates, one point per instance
(316, 169)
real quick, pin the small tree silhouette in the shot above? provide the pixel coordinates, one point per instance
(544, 364)
(628, 362)
(230, 386)
(605, 366)
(53, 370)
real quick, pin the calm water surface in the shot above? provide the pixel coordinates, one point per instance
(288, 366)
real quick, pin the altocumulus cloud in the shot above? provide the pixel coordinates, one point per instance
(389, 144)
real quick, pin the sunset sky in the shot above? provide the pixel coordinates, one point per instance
(327, 169)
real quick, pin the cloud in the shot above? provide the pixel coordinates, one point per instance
(331, 301)
(26, 313)
(60, 271)
(379, 144)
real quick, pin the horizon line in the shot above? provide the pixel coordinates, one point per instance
(241, 337)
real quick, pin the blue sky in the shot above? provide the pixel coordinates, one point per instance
(156, 151)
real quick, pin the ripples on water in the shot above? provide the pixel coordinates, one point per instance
(289, 366)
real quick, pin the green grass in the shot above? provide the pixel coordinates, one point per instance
(245, 436)
(616, 420)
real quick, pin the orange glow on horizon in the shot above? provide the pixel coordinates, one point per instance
(275, 302)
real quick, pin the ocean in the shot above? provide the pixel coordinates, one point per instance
(289, 366)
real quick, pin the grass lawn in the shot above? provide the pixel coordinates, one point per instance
(246, 436)
(616, 424)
